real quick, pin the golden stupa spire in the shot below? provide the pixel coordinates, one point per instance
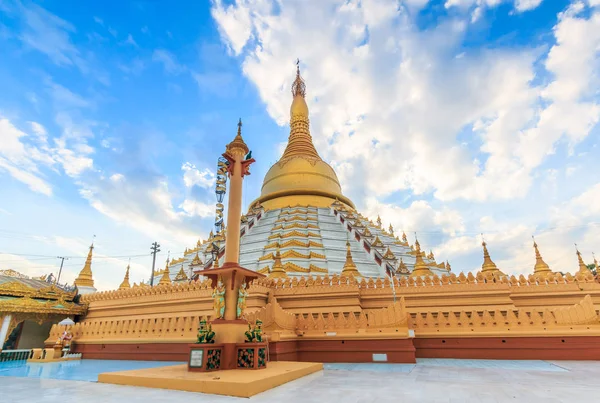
(583, 269)
(421, 268)
(300, 141)
(350, 269)
(488, 265)
(125, 284)
(165, 279)
(391, 230)
(596, 263)
(540, 267)
(277, 271)
(85, 278)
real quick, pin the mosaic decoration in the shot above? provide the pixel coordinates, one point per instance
(245, 358)
(262, 357)
(213, 359)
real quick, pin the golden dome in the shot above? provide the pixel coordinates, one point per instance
(300, 176)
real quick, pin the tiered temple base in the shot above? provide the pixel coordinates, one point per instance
(237, 382)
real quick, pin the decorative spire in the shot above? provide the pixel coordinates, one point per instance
(125, 284)
(298, 86)
(540, 266)
(391, 230)
(378, 221)
(85, 278)
(165, 279)
(430, 256)
(367, 233)
(216, 262)
(448, 267)
(583, 269)
(421, 268)
(404, 239)
(596, 263)
(238, 142)
(300, 141)
(277, 271)
(488, 265)
(350, 269)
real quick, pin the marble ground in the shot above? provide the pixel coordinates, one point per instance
(430, 380)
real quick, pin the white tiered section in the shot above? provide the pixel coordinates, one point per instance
(312, 241)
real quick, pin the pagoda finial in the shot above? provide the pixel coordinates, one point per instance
(582, 266)
(540, 267)
(277, 271)
(595, 262)
(488, 264)
(166, 279)
(85, 278)
(298, 87)
(391, 230)
(125, 284)
(421, 268)
(349, 269)
(238, 142)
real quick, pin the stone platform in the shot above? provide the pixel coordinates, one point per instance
(236, 382)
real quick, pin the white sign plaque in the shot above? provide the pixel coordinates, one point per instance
(380, 357)
(196, 358)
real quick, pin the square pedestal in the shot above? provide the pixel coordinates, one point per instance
(205, 357)
(236, 382)
(251, 355)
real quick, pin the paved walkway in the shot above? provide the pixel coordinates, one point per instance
(428, 381)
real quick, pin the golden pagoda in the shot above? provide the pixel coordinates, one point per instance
(125, 284)
(541, 268)
(165, 279)
(317, 185)
(583, 269)
(85, 280)
(350, 269)
(277, 271)
(488, 265)
(421, 268)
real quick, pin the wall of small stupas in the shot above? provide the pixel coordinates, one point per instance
(170, 312)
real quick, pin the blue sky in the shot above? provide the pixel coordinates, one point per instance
(448, 118)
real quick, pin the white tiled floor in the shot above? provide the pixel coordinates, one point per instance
(428, 381)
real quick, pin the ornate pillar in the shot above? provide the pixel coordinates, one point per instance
(238, 167)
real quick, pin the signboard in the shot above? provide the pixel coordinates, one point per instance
(196, 357)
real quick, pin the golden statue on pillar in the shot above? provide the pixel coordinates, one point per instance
(241, 303)
(219, 299)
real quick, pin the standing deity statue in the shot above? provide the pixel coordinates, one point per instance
(219, 299)
(241, 304)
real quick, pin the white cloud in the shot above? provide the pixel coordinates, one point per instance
(194, 208)
(21, 160)
(130, 41)
(192, 176)
(168, 60)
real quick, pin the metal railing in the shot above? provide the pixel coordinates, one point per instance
(15, 355)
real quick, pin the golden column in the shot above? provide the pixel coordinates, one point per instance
(238, 167)
(229, 330)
